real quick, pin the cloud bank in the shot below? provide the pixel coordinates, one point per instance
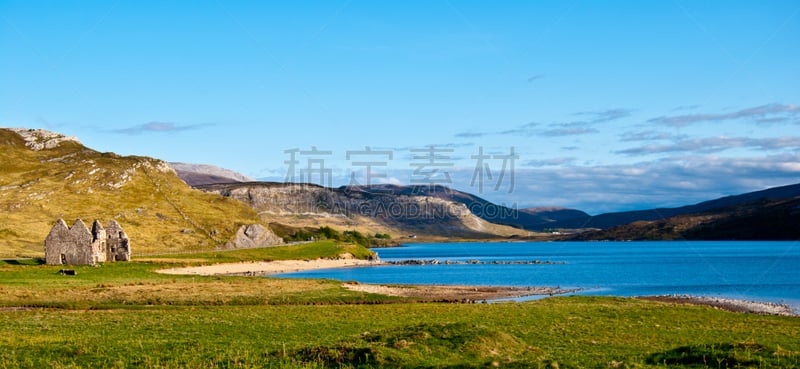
(716, 144)
(770, 113)
(661, 183)
(668, 182)
(159, 127)
(557, 129)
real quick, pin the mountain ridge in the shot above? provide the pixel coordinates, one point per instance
(527, 219)
(762, 219)
(203, 174)
(371, 209)
(608, 220)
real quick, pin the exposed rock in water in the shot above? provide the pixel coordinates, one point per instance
(253, 235)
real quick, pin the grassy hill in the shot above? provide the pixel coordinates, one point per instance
(45, 176)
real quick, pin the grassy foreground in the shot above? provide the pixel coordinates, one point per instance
(124, 285)
(125, 315)
(558, 332)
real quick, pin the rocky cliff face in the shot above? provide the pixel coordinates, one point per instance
(40, 139)
(425, 215)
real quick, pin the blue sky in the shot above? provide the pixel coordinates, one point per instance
(609, 105)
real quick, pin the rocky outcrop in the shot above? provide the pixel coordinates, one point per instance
(40, 139)
(253, 235)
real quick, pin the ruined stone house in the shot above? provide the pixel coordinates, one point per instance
(77, 245)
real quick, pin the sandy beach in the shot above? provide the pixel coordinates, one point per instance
(423, 292)
(268, 267)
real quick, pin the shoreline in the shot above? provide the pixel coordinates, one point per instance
(735, 305)
(264, 268)
(456, 293)
(423, 292)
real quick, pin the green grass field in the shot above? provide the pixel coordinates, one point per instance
(558, 332)
(122, 285)
(125, 315)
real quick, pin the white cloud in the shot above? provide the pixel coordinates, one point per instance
(770, 113)
(649, 136)
(716, 144)
(564, 160)
(389, 180)
(668, 182)
(159, 127)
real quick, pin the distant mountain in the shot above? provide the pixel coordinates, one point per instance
(203, 174)
(555, 214)
(609, 220)
(531, 219)
(45, 176)
(761, 219)
(397, 210)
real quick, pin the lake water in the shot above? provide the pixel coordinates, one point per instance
(763, 271)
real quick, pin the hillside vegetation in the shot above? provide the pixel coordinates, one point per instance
(45, 176)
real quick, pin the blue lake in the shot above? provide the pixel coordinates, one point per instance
(753, 270)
